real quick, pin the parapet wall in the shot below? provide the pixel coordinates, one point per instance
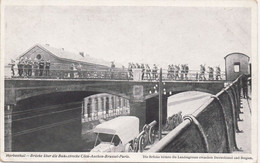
(210, 129)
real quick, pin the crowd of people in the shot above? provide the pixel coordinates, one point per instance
(175, 72)
(31, 67)
(28, 67)
(202, 76)
(178, 72)
(147, 72)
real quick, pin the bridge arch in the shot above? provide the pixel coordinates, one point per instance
(67, 90)
(178, 90)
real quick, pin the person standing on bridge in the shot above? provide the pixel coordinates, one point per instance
(30, 63)
(20, 66)
(72, 68)
(177, 69)
(36, 67)
(113, 66)
(25, 67)
(143, 69)
(211, 72)
(130, 71)
(186, 69)
(47, 67)
(148, 72)
(202, 72)
(12, 64)
(155, 69)
(218, 73)
(79, 69)
(41, 66)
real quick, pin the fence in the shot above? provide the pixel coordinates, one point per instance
(109, 74)
(210, 129)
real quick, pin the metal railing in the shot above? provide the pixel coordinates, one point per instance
(110, 74)
(226, 105)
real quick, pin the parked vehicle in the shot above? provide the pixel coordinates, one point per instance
(116, 135)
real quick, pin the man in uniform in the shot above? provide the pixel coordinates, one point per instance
(36, 67)
(130, 70)
(218, 73)
(202, 72)
(20, 66)
(41, 66)
(29, 65)
(182, 71)
(211, 72)
(47, 67)
(12, 64)
(79, 69)
(155, 71)
(148, 71)
(177, 69)
(112, 70)
(143, 69)
(72, 68)
(25, 67)
(186, 71)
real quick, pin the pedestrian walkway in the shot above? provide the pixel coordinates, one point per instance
(243, 139)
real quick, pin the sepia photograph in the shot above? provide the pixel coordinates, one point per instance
(136, 81)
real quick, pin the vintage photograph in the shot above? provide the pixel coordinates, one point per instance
(98, 79)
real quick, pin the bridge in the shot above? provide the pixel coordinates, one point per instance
(26, 93)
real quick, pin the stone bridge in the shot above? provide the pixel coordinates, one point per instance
(136, 91)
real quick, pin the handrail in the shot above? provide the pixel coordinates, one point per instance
(108, 73)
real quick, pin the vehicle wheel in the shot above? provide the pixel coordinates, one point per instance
(141, 144)
(128, 148)
(151, 135)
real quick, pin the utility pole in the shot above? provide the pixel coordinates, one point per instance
(160, 104)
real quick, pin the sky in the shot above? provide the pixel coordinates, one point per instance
(160, 35)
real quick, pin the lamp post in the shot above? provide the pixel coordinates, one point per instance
(160, 104)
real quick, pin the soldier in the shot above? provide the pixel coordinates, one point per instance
(41, 66)
(154, 72)
(137, 65)
(148, 72)
(25, 67)
(186, 71)
(20, 66)
(79, 69)
(169, 76)
(143, 69)
(29, 66)
(202, 72)
(211, 72)
(112, 70)
(72, 67)
(182, 71)
(133, 65)
(130, 71)
(47, 67)
(12, 64)
(218, 73)
(177, 69)
(36, 67)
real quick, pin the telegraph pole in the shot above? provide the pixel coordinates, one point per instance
(160, 104)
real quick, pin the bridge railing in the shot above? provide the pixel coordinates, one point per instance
(113, 74)
(210, 129)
